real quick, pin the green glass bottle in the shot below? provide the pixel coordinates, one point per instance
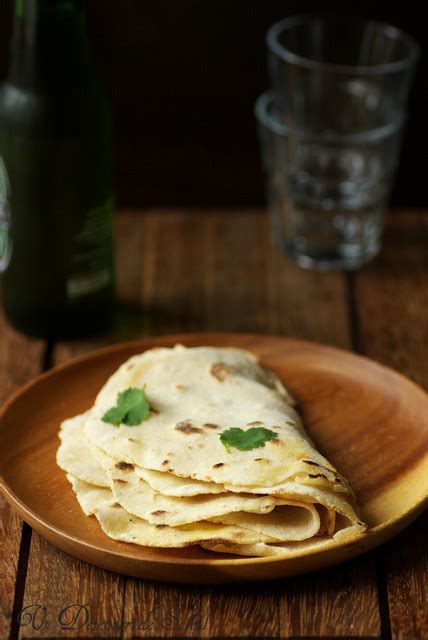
(56, 143)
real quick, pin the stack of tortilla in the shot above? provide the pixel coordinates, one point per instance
(178, 478)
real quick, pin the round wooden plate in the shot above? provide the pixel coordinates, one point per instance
(370, 422)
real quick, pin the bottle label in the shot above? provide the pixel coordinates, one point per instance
(5, 239)
(91, 260)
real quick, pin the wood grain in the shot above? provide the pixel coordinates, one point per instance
(244, 611)
(392, 298)
(228, 277)
(405, 561)
(193, 270)
(53, 577)
(213, 271)
(340, 602)
(20, 358)
(162, 610)
(307, 607)
(79, 600)
(391, 304)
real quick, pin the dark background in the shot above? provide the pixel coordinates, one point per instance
(183, 76)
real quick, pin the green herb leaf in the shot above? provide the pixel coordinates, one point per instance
(253, 438)
(131, 408)
(113, 416)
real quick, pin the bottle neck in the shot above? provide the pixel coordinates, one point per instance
(49, 48)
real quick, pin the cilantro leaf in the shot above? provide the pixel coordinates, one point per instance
(253, 438)
(113, 416)
(137, 414)
(131, 408)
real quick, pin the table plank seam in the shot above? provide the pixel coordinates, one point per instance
(123, 614)
(21, 577)
(381, 583)
(47, 355)
(382, 590)
(27, 532)
(351, 303)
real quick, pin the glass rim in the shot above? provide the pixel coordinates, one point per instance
(270, 122)
(275, 47)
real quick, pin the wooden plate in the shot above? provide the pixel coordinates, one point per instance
(371, 422)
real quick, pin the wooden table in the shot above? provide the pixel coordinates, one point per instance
(216, 270)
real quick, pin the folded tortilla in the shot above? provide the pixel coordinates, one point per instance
(118, 524)
(173, 469)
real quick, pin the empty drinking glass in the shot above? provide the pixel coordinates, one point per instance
(343, 75)
(330, 132)
(327, 193)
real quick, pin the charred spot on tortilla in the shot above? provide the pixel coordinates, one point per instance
(275, 441)
(165, 461)
(316, 464)
(180, 387)
(124, 466)
(211, 425)
(132, 440)
(220, 370)
(119, 481)
(161, 526)
(343, 483)
(254, 423)
(261, 460)
(219, 464)
(116, 505)
(186, 426)
(159, 512)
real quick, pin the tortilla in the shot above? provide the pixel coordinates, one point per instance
(197, 394)
(264, 549)
(73, 454)
(288, 521)
(170, 485)
(137, 497)
(118, 524)
(174, 474)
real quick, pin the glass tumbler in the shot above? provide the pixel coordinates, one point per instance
(330, 132)
(341, 75)
(327, 193)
